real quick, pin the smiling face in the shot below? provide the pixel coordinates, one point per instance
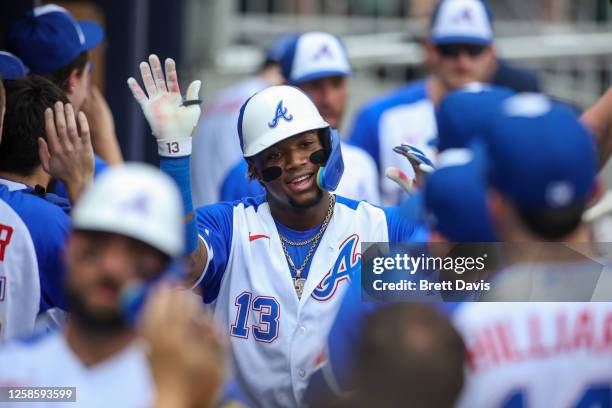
(296, 187)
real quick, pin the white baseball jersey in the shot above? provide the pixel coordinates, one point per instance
(216, 147)
(275, 336)
(403, 116)
(32, 234)
(537, 354)
(123, 380)
(19, 284)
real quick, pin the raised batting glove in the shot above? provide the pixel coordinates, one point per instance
(417, 158)
(171, 118)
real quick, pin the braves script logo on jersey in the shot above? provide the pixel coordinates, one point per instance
(347, 263)
(281, 113)
(6, 233)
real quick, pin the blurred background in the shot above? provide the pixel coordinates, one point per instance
(568, 43)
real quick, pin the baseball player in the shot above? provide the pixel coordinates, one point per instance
(459, 50)
(274, 268)
(126, 228)
(318, 64)
(53, 44)
(558, 353)
(33, 224)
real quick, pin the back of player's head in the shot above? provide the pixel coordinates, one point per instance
(52, 43)
(410, 354)
(314, 55)
(468, 113)
(543, 161)
(461, 21)
(137, 201)
(455, 196)
(24, 122)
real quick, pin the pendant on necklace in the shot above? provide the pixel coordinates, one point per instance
(298, 284)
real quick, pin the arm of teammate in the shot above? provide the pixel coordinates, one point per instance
(103, 135)
(67, 154)
(172, 123)
(599, 119)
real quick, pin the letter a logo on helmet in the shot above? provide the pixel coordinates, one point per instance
(281, 113)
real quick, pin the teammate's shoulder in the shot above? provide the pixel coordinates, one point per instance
(355, 204)
(24, 346)
(228, 206)
(407, 94)
(30, 206)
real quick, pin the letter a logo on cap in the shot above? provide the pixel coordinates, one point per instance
(281, 113)
(324, 51)
(465, 15)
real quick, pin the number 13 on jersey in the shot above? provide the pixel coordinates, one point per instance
(267, 313)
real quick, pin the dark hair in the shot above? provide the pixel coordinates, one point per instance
(409, 353)
(60, 76)
(24, 122)
(553, 224)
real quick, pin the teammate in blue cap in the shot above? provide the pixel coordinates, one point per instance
(543, 168)
(53, 44)
(459, 50)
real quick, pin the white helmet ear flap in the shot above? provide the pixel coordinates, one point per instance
(273, 115)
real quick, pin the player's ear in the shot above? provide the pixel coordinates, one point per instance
(72, 80)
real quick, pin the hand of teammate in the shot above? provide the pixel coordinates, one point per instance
(416, 157)
(186, 354)
(67, 154)
(171, 121)
(420, 163)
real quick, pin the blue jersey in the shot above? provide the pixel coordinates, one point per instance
(33, 236)
(402, 116)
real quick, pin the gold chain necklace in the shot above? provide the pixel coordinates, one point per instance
(298, 281)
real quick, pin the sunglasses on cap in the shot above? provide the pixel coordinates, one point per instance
(453, 50)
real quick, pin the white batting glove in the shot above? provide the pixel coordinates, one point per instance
(172, 123)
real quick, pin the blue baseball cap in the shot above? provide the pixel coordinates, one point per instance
(461, 21)
(455, 196)
(314, 55)
(49, 38)
(467, 113)
(541, 156)
(11, 67)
